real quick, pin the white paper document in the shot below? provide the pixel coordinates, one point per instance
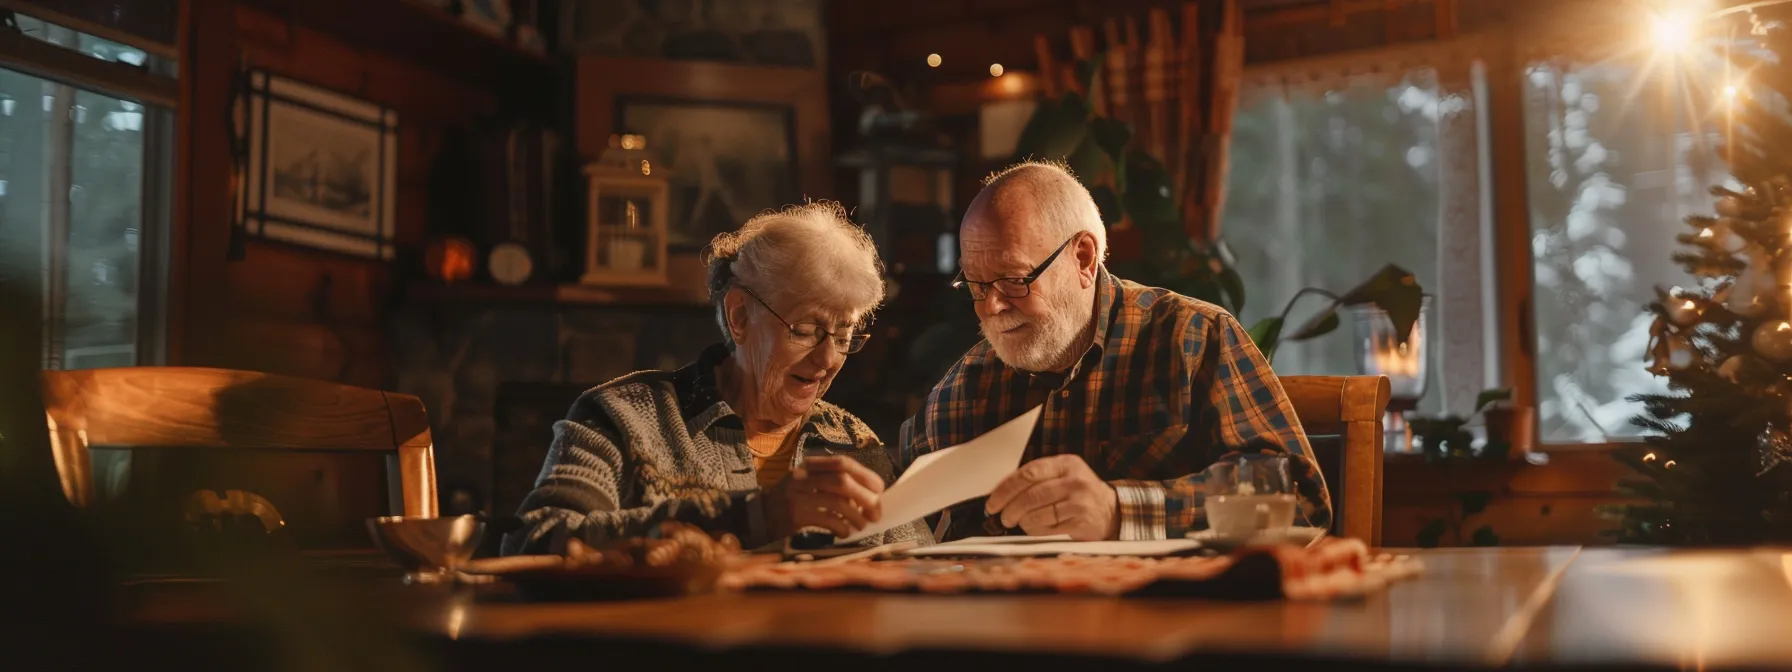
(946, 477)
(1057, 544)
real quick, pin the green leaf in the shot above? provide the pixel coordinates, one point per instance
(1431, 534)
(1484, 536)
(1110, 135)
(1108, 204)
(1056, 129)
(1233, 284)
(1088, 162)
(1147, 194)
(1120, 164)
(1265, 333)
(1086, 70)
(1474, 502)
(1490, 396)
(1394, 290)
(1319, 325)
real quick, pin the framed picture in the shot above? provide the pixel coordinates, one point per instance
(320, 168)
(727, 161)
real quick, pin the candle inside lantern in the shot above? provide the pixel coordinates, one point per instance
(1400, 362)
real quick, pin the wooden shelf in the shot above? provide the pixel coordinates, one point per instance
(422, 34)
(570, 295)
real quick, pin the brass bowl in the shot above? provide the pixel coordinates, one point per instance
(428, 545)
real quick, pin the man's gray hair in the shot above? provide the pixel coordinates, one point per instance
(802, 255)
(1064, 205)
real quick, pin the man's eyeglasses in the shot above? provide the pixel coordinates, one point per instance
(811, 335)
(1013, 288)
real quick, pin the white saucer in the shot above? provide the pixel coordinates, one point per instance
(1299, 536)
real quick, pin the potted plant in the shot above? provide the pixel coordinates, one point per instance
(1392, 289)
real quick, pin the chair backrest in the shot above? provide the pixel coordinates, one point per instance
(283, 431)
(1342, 419)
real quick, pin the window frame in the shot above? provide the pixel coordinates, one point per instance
(1495, 73)
(155, 86)
(1457, 68)
(1518, 45)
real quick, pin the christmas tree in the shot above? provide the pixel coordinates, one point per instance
(1713, 470)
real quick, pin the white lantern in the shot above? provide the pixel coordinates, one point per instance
(626, 227)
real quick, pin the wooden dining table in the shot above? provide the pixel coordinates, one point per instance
(1470, 609)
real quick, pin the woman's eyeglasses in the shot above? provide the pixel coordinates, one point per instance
(1013, 288)
(811, 335)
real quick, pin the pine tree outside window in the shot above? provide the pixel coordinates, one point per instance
(1614, 163)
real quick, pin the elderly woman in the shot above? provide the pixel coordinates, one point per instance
(739, 441)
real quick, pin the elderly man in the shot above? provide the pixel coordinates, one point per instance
(1143, 388)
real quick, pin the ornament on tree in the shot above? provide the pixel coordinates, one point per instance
(1775, 448)
(1731, 369)
(1683, 310)
(1751, 371)
(1773, 341)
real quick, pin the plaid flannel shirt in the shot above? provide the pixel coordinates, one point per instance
(1168, 386)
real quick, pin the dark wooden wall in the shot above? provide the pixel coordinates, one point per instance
(895, 38)
(280, 308)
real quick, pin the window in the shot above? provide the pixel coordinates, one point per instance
(1328, 183)
(83, 200)
(1614, 162)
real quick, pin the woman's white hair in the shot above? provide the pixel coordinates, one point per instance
(803, 255)
(1056, 194)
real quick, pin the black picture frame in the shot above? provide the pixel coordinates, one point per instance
(319, 167)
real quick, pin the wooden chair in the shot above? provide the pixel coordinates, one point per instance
(307, 444)
(1342, 419)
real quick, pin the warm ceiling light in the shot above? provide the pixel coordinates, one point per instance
(933, 60)
(995, 69)
(1673, 29)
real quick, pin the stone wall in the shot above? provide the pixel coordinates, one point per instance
(471, 362)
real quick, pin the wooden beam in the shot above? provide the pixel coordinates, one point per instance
(1448, 22)
(200, 240)
(1512, 224)
(63, 64)
(1336, 11)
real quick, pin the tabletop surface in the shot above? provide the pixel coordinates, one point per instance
(1470, 608)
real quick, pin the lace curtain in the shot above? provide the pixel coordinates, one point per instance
(1342, 164)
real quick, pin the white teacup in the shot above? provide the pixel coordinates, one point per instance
(1247, 515)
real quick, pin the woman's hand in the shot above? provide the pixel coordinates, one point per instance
(835, 493)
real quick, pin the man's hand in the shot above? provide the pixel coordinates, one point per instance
(836, 493)
(1057, 495)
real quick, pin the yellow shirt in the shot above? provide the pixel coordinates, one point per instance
(771, 456)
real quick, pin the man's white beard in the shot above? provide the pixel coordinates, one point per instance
(1047, 344)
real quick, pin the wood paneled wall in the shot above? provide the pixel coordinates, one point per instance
(895, 38)
(285, 309)
(1553, 503)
